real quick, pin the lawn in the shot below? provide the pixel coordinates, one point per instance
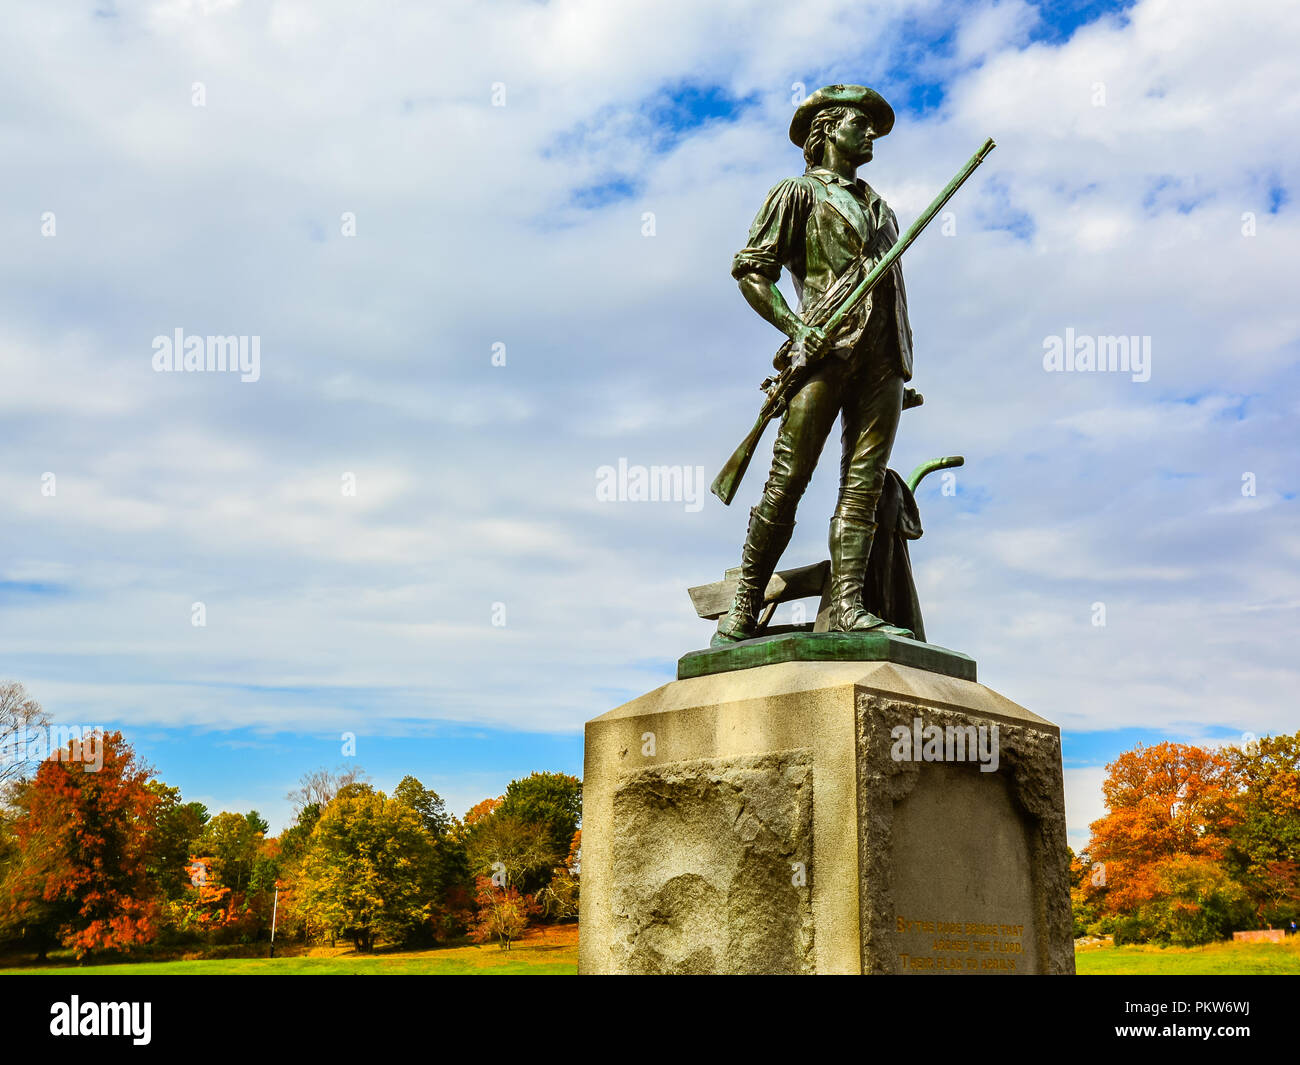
(546, 952)
(554, 952)
(1217, 959)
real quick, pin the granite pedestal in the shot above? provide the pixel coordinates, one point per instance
(880, 813)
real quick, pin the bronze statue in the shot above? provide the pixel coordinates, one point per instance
(849, 352)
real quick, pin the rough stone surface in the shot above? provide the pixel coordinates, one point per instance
(709, 863)
(699, 797)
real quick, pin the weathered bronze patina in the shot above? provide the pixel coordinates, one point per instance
(849, 352)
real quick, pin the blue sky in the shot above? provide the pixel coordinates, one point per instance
(473, 602)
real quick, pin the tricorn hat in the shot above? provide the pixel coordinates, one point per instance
(870, 101)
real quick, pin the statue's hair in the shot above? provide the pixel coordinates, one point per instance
(823, 122)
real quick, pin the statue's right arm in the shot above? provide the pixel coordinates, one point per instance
(767, 300)
(777, 229)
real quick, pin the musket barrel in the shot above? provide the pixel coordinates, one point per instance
(910, 234)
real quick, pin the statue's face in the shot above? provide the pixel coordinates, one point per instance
(853, 137)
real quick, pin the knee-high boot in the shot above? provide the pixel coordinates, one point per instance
(850, 543)
(765, 542)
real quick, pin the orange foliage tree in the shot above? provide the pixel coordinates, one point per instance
(1166, 804)
(480, 811)
(84, 834)
(208, 905)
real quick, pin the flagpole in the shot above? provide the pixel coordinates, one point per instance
(275, 910)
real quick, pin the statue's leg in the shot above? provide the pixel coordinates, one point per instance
(873, 403)
(799, 441)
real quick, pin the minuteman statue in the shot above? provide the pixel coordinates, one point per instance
(823, 227)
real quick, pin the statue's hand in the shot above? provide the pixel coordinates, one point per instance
(810, 345)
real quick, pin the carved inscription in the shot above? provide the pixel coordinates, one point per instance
(950, 946)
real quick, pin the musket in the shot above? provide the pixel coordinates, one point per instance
(782, 388)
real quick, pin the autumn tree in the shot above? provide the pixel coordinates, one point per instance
(84, 837)
(292, 846)
(1084, 907)
(502, 913)
(480, 811)
(367, 870)
(208, 906)
(1166, 801)
(1157, 859)
(574, 860)
(294, 839)
(526, 834)
(458, 843)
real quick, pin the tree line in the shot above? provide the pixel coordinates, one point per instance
(1196, 843)
(112, 860)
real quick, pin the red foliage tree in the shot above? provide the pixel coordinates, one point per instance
(503, 913)
(84, 836)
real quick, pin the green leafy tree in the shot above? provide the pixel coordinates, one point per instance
(1264, 851)
(236, 840)
(427, 803)
(1195, 902)
(521, 854)
(451, 868)
(552, 800)
(366, 872)
(176, 828)
(294, 839)
(457, 881)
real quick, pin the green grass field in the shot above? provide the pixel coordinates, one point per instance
(552, 954)
(556, 954)
(1217, 959)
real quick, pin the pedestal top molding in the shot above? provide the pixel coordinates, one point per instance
(826, 647)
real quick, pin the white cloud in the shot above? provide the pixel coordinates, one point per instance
(476, 483)
(1083, 803)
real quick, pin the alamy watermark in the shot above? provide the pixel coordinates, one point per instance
(208, 354)
(651, 484)
(1084, 353)
(59, 743)
(954, 743)
(77, 1018)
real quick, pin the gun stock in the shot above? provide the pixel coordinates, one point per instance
(725, 484)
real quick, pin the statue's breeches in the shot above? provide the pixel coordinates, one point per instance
(868, 390)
